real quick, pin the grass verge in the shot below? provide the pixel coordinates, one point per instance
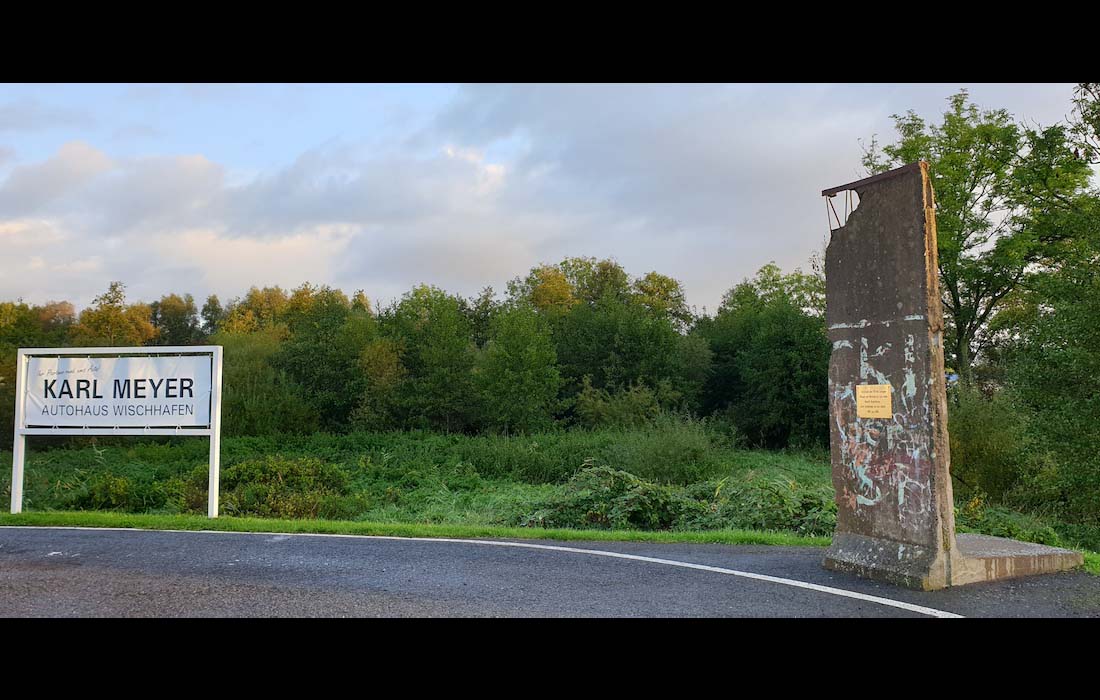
(347, 527)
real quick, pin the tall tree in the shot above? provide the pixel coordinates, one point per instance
(327, 336)
(1085, 121)
(516, 372)
(437, 356)
(212, 314)
(546, 288)
(663, 297)
(260, 308)
(481, 310)
(176, 319)
(803, 291)
(110, 321)
(1007, 197)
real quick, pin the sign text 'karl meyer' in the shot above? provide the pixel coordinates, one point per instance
(170, 391)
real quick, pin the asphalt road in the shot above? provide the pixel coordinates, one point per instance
(46, 572)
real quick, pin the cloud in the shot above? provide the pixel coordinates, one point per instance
(35, 188)
(175, 223)
(705, 183)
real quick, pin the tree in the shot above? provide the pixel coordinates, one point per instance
(326, 339)
(803, 291)
(23, 326)
(437, 356)
(481, 311)
(557, 288)
(616, 344)
(593, 279)
(1006, 198)
(546, 288)
(1085, 121)
(360, 302)
(260, 308)
(258, 398)
(770, 372)
(176, 320)
(663, 297)
(212, 315)
(111, 322)
(1051, 356)
(383, 373)
(56, 318)
(516, 373)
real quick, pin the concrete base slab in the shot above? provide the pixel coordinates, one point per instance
(985, 558)
(975, 558)
(880, 559)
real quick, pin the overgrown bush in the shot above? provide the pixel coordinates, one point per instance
(977, 516)
(606, 498)
(675, 449)
(602, 497)
(770, 372)
(286, 487)
(990, 446)
(775, 504)
(631, 407)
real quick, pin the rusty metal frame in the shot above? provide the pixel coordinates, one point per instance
(832, 191)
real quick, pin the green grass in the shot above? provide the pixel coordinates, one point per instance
(431, 485)
(347, 527)
(401, 477)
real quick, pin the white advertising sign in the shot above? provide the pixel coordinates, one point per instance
(165, 390)
(125, 392)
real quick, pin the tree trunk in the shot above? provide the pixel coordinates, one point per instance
(962, 359)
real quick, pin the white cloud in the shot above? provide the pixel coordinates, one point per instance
(705, 183)
(32, 189)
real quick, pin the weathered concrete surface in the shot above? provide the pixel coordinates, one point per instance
(986, 558)
(895, 512)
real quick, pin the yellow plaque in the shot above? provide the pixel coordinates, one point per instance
(874, 401)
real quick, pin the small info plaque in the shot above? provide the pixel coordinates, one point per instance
(874, 401)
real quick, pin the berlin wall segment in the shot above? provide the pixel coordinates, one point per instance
(889, 446)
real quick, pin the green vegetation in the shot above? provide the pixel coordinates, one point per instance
(371, 480)
(425, 477)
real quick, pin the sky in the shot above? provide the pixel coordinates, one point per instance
(211, 189)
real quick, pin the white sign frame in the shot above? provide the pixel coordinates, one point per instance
(213, 431)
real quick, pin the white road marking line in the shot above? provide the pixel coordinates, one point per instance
(556, 548)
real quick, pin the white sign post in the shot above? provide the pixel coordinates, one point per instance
(118, 391)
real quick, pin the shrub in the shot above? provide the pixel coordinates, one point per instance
(286, 487)
(778, 504)
(990, 447)
(631, 407)
(770, 372)
(675, 449)
(606, 498)
(602, 497)
(977, 516)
